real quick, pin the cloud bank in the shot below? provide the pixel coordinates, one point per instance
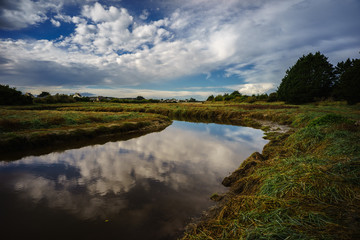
(254, 41)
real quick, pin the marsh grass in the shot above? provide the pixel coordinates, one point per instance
(307, 188)
(23, 129)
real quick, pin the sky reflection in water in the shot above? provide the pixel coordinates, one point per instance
(146, 187)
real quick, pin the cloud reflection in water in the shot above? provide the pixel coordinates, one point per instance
(169, 174)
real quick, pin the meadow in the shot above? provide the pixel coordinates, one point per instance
(304, 185)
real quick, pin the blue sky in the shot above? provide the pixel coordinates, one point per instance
(165, 49)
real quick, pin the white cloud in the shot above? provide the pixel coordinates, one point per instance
(55, 23)
(101, 173)
(255, 88)
(145, 14)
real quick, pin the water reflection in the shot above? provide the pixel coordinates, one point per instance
(145, 187)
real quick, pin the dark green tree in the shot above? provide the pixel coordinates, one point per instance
(44, 94)
(139, 98)
(311, 77)
(210, 98)
(348, 85)
(227, 97)
(219, 98)
(235, 94)
(10, 96)
(272, 97)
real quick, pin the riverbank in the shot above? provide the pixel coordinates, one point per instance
(32, 131)
(304, 185)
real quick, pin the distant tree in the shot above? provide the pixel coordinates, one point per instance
(227, 97)
(219, 98)
(251, 99)
(57, 98)
(262, 97)
(311, 77)
(192, 100)
(139, 98)
(272, 97)
(44, 94)
(348, 85)
(210, 98)
(235, 94)
(10, 96)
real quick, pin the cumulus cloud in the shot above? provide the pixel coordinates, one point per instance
(255, 88)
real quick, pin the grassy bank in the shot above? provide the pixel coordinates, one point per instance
(29, 129)
(304, 185)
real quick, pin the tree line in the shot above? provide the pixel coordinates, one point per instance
(311, 78)
(236, 96)
(11, 96)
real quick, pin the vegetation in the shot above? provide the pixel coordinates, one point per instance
(57, 98)
(41, 126)
(304, 185)
(138, 99)
(311, 77)
(10, 96)
(236, 96)
(347, 86)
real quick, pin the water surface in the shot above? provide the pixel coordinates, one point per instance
(143, 188)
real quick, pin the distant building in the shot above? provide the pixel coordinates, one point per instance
(77, 95)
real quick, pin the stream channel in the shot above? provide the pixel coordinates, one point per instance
(147, 187)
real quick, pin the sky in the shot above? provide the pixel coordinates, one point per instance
(168, 48)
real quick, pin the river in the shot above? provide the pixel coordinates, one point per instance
(147, 187)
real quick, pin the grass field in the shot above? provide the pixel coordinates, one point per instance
(304, 185)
